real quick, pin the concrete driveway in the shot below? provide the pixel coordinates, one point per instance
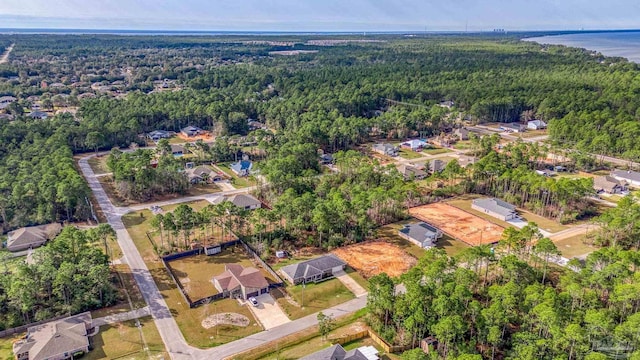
(268, 312)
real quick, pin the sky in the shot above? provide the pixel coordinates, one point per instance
(321, 15)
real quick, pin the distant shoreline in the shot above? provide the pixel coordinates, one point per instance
(624, 44)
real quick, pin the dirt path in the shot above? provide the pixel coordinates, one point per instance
(5, 57)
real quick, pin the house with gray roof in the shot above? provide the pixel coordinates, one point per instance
(238, 282)
(157, 135)
(513, 127)
(56, 340)
(495, 207)
(631, 177)
(436, 165)
(191, 131)
(421, 234)
(337, 352)
(242, 167)
(178, 150)
(411, 172)
(313, 270)
(32, 237)
(385, 149)
(38, 115)
(536, 125)
(203, 174)
(609, 185)
(245, 201)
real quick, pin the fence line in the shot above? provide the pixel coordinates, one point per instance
(388, 348)
(262, 263)
(350, 337)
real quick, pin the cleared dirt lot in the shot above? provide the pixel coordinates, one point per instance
(459, 224)
(373, 258)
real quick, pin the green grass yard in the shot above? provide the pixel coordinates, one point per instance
(189, 320)
(124, 340)
(236, 181)
(409, 154)
(313, 297)
(99, 164)
(575, 246)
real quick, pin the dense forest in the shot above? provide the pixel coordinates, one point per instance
(69, 275)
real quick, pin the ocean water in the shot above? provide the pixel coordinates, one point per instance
(624, 44)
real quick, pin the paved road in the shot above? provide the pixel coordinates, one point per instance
(5, 57)
(170, 333)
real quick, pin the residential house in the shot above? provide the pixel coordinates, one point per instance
(242, 167)
(7, 117)
(5, 101)
(609, 185)
(38, 115)
(415, 145)
(495, 207)
(255, 125)
(411, 172)
(237, 282)
(337, 352)
(466, 160)
(156, 135)
(461, 133)
(447, 104)
(326, 159)
(203, 174)
(421, 234)
(513, 127)
(245, 201)
(385, 149)
(32, 237)
(56, 340)
(536, 125)
(191, 131)
(631, 177)
(436, 165)
(177, 150)
(313, 270)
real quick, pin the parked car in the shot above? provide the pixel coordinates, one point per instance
(253, 301)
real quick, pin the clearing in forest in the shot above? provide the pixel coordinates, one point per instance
(458, 224)
(373, 258)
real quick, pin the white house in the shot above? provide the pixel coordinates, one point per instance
(536, 125)
(631, 177)
(496, 208)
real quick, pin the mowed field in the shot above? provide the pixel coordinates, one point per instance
(196, 272)
(373, 258)
(459, 224)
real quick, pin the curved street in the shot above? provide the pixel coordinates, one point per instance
(174, 341)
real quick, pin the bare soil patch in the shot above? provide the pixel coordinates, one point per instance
(227, 318)
(459, 224)
(203, 137)
(373, 258)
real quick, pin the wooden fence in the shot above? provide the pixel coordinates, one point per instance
(388, 348)
(350, 337)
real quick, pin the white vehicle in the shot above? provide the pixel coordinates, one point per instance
(253, 301)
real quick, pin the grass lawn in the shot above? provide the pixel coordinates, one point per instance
(6, 346)
(195, 272)
(462, 145)
(575, 175)
(435, 151)
(189, 320)
(531, 133)
(99, 164)
(357, 277)
(574, 246)
(543, 223)
(314, 297)
(124, 340)
(409, 154)
(236, 181)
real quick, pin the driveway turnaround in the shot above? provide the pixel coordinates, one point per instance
(268, 312)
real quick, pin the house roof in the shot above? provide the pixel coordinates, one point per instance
(37, 115)
(337, 352)
(407, 171)
(53, 339)
(201, 170)
(384, 147)
(607, 183)
(627, 175)
(159, 133)
(7, 99)
(415, 143)
(33, 235)
(235, 275)
(537, 123)
(420, 231)
(461, 131)
(312, 267)
(191, 129)
(177, 148)
(244, 200)
(495, 205)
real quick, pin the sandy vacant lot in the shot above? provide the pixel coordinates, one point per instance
(373, 258)
(458, 223)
